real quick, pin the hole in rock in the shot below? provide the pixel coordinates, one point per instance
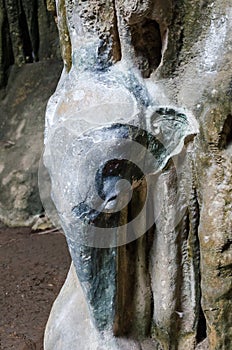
(201, 327)
(226, 134)
(147, 42)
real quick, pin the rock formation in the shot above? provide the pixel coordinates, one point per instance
(170, 288)
(123, 61)
(29, 68)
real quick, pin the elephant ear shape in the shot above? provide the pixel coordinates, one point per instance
(139, 152)
(169, 130)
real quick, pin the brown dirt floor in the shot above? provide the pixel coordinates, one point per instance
(33, 268)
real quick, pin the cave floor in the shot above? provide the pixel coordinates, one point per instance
(33, 267)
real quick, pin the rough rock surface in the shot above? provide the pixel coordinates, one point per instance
(21, 137)
(29, 69)
(173, 285)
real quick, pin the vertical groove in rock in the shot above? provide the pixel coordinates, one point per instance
(27, 34)
(134, 297)
(6, 50)
(65, 42)
(194, 213)
(116, 49)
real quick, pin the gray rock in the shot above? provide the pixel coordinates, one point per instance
(21, 138)
(170, 288)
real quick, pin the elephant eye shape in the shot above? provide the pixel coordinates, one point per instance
(112, 198)
(111, 202)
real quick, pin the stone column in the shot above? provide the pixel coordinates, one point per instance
(156, 73)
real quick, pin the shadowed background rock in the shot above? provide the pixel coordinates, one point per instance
(29, 69)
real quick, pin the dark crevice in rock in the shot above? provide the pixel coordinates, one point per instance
(6, 50)
(26, 40)
(125, 284)
(134, 316)
(116, 49)
(201, 330)
(147, 43)
(226, 246)
(225, 137)
(149, 243)
(201, 327)
(224, 272)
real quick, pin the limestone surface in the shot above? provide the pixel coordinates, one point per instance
(170, 288)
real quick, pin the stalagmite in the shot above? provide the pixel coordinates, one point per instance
(137, 148)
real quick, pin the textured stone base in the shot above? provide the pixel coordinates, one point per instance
(69, 326)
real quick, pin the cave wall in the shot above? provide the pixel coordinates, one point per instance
(30, 65)
(28, 34)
